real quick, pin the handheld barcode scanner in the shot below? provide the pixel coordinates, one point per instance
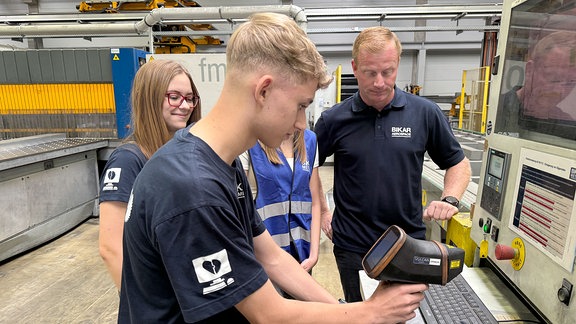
(399, 257)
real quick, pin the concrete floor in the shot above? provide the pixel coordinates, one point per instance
(65, 281)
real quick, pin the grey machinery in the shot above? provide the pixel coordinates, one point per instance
(48, 185)
(524, 219)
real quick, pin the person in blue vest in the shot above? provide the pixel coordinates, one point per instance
(288, 193)
(164, 99)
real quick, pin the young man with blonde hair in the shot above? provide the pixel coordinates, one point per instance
(195, 249)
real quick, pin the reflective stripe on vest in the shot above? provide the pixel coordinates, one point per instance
(281, 208)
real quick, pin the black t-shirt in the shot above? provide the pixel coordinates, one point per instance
(120, 171)
(188, 238)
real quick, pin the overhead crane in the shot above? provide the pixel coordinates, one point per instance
(164, 44)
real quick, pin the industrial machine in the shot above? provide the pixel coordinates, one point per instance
(177, 44)
(48, 185)
(524, 220)
(125, 64)
(59, 110)
(78, 92)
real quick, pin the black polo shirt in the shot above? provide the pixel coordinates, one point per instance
(378, 160)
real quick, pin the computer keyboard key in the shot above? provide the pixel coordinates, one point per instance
(454, 303)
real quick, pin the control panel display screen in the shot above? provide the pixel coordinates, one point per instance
(496, 166)
(495, 182)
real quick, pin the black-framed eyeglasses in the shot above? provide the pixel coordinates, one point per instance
(175, 99)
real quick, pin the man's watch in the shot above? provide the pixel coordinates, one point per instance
(452, 201)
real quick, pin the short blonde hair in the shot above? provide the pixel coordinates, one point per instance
(374, 39)
(272, 41)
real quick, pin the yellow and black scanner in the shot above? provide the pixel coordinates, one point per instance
(401, 258)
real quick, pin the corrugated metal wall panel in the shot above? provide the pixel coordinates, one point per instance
(3, 76)
(58, 67)
(34, 66)
(55, 66)
(10, 66)
(22, 68)
(45, 60)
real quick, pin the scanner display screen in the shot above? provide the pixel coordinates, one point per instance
(380, 250)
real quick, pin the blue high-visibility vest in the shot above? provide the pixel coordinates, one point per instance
(273, 196)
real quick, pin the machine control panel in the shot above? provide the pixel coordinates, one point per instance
(525, 220)
(494, 184)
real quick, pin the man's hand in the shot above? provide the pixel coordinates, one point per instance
(439, 210)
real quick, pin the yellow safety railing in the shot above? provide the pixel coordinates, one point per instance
(338, 78)
(473, 100)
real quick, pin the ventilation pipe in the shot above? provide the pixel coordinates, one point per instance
(152, 18)
(158, 15)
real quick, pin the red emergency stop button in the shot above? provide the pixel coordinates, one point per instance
(504, 252)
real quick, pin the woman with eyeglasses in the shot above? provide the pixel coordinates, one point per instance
(164, 99)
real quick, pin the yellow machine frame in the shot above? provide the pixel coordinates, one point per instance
(166, 45)
(27, 102)
(117, 6)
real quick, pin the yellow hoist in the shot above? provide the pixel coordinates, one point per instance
(413, 89)
(166, 44)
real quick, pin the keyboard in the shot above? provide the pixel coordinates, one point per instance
(454, 303)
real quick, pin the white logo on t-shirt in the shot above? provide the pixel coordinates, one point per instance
(129, 207)
(111, 178)
(212, 268)
(240, 191)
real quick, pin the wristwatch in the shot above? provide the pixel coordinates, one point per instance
(452, 201)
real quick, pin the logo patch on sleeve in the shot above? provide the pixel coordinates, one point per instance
(111, 179)
(212, 269)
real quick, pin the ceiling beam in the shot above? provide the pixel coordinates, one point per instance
(312, 14)
(136, 23)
